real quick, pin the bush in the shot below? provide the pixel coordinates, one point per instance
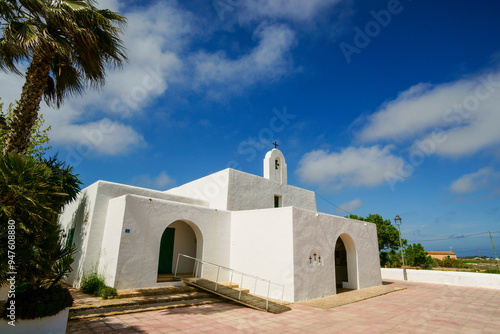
(416, 256)
(40, 302)
(107, 292)
(390, 259)
(492, 271)
(451, 263)
(92, 283)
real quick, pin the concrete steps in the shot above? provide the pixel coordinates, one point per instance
(166, 290)
(142, 300)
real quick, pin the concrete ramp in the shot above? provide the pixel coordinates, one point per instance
(237, 295)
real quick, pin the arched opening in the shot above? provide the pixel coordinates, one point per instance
(346, 264)
(180, 237)
(341, 274)
(277, 169)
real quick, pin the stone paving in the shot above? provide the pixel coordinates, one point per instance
(421, 308)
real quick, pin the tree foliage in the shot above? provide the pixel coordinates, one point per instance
(69, 45)
(388, 234)
(416, 256)
(33, 193)
(39, 137)
(388, 238)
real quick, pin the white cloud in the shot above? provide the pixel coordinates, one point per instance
(77, 138)
(484, 179)
(296, 10)
(464, 112)
(160, 39)
(268, 61)
(154, 45)
(103, 137)
(352, 167)
(349, 207)
(151, 42)
(160, 182)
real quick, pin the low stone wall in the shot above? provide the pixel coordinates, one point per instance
(476, 280)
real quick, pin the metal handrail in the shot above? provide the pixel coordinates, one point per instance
(232, 271)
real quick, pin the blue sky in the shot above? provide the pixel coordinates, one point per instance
(388, 107)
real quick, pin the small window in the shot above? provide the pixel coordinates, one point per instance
(69, 240)
(277, 201)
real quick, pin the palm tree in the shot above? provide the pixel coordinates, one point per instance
(32, 194)
(69, 43)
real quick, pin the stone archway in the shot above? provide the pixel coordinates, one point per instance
(346, 263)
(179, 237)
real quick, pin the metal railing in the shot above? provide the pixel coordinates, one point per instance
(198, 268)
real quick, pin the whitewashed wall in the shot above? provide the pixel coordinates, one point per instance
(212, 188)
(88, 214)
(233, 190)
(276, 244)
(476, 280)
(250, 192)
(111, 239)
(78, 214)
(137, 263)
(321, 231)
(262, 245)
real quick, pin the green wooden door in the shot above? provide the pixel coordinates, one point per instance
(166, 251)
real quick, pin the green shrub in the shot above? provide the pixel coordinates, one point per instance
(492, 271)
(416, 256)
(40, 302)
(107, 292)
(92, 283)
(451, 263)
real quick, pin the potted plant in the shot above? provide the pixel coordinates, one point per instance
(33, 260)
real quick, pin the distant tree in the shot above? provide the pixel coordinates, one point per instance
(416, 256)
(69, 44)
(388, 238)
(39, 138)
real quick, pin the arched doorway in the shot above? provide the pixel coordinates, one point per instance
(341, 274)
(165, 263)
(179, 237)
(346, 263)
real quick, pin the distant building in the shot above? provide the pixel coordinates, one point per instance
(441, 255)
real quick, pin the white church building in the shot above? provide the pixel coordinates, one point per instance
(256, 225)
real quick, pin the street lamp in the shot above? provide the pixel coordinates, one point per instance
(397, 221)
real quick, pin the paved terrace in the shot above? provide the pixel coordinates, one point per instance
(420, 308)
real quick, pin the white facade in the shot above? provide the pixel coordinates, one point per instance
(257, 225)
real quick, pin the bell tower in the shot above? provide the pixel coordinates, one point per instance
(275, 166)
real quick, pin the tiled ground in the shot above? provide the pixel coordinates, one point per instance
(421, 308)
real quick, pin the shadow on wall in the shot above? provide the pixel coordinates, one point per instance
(75, 236)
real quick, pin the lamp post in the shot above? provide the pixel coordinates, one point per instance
(397, 221)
